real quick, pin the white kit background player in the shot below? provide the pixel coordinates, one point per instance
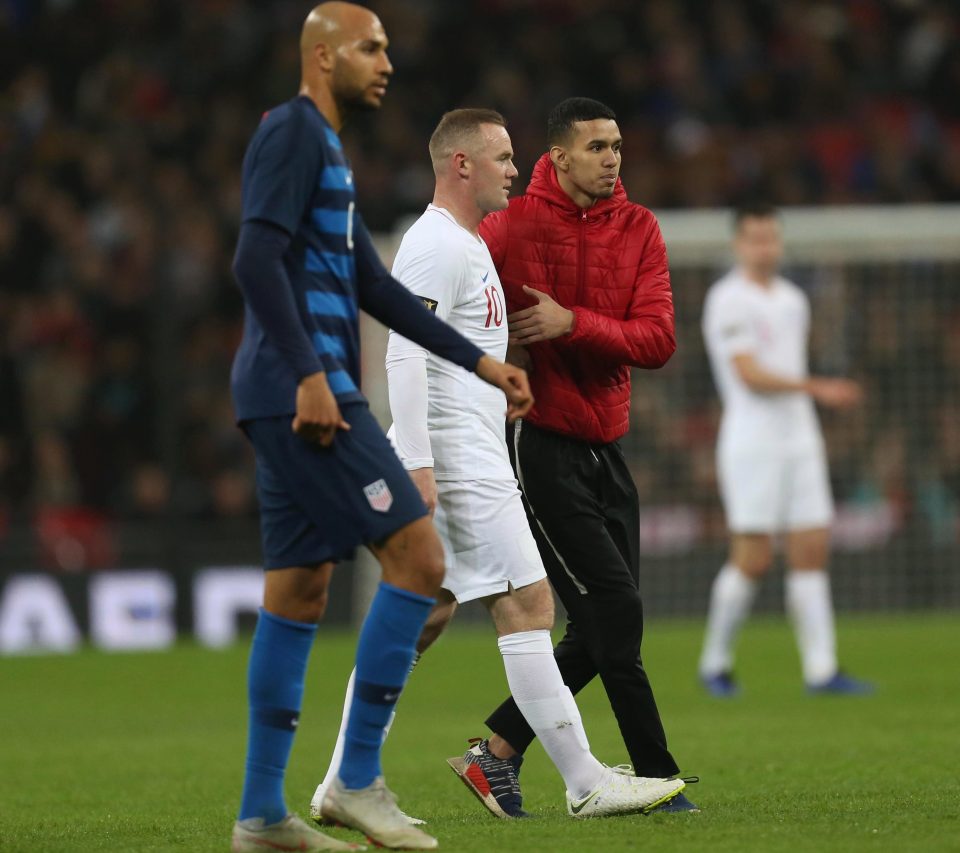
(771, 460)
(449, 432)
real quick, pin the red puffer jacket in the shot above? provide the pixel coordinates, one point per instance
(608, 264)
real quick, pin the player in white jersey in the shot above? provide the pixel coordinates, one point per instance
(771, 460)
(458, 450)
(449, 433)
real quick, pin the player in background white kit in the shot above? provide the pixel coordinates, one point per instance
(771, 460)
(449, 432)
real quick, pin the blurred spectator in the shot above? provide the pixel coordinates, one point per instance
(122, 128)
(15, 451)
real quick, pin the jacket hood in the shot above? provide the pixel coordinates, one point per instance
(544, 184)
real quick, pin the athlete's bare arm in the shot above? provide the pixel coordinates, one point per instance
(828, 391)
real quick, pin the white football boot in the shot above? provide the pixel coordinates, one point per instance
(618, 793)
(373, 810)
(291, 833)
(317, 814)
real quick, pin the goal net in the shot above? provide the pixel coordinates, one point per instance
(884, 286)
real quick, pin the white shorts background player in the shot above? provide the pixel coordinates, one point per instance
(449, 432)
(771, 460)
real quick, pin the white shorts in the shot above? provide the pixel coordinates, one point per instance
(486, 538)
(771, 490)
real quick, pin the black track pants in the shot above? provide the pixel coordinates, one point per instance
(584, 513)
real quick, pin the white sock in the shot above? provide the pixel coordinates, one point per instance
(731, 598)
(337, 756)
(810, 607)
(549, 709)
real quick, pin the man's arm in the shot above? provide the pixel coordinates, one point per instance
(730, 332)
(407, 388)
(762, 381)
(385, 299)
(645, 338)
(259, 270)
(828, 391)
(276, 191)
(433, 275)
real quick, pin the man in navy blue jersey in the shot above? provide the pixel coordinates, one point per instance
(327, 478)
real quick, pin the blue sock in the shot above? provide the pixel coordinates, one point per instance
(278, 661)
(385, 651)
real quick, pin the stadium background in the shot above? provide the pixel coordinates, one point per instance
(122, 126)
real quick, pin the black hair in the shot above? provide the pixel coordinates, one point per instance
(567, 113)
(754, 210)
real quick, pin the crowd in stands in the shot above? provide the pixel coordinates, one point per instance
(122, 128)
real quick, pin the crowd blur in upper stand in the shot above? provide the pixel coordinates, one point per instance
(122, 128)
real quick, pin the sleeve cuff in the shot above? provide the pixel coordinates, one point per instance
(308, 369)
(415, 463)
(573, 335)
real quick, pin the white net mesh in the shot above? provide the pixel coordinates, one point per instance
(884, 285)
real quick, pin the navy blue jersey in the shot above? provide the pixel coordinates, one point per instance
(295, 176)
(307, 265)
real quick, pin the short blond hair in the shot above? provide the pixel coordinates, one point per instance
(458, 129)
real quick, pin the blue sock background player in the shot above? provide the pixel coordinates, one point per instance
(327, 478)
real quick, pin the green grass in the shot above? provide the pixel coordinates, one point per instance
(145, 752)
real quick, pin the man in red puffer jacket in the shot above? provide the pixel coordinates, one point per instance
(585, 276)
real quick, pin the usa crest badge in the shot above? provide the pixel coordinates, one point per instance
(379, 495)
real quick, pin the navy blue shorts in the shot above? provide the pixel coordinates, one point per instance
(318, 504)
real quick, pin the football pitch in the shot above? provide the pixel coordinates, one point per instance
(141, 752)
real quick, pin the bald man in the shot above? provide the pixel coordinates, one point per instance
(327, 478)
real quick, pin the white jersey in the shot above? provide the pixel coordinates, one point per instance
(771, 323)
(452, 272)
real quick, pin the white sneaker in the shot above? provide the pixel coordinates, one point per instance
(291, 833)
(619, 793)
(317, 815)
(373, 810)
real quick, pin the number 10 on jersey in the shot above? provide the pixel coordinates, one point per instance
(494, 306)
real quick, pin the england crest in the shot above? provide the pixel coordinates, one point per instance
(379, 496)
